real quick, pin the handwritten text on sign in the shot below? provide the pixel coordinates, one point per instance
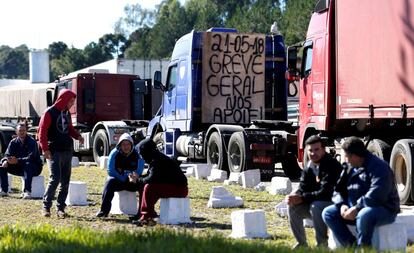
(233, 78)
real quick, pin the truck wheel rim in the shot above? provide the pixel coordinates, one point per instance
(400, 173)
(235, 155)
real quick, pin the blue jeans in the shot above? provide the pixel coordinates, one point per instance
(27, 170)
(60, 168)
(366, 220)
(113, 185)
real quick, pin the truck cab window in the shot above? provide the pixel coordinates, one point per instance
(172, 78)
(307, 61)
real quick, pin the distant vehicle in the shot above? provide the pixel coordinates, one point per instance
(225, 102)
(107, 105)
(357, 78)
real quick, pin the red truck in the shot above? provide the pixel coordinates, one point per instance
(356, 77)
(107, 105)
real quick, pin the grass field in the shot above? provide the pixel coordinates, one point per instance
(23, 229)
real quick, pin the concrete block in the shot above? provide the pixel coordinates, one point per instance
(262, 186)
(77, 195)
(221, 198)
(175, 211)
(407, 218)
(390, 237)
(75, 161)
(202, 170)
(281, 209)
(103, 162)
(124, 202)
(280, 185)
(234, 179)
(250, 178)
(9, 178)
(189, 171)
(248, 224)
(308, 223)
(217, 176)
(38, 186)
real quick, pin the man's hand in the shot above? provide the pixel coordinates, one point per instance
(349, 213)
(133, 177)
(293, 199)
(12, 160)
(5, 164)
(47, 155)
(81, 140)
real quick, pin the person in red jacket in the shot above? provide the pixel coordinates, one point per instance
(55, 135)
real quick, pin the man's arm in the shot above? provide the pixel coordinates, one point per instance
(112, 171)
(44, 125)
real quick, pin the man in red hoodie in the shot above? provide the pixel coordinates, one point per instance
(55, 134)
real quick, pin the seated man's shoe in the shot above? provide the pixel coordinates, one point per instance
(46, 212)
(134, 217)
(3, 194)
(61, 214)
(101, 214)
(145, 222)
(26, 195)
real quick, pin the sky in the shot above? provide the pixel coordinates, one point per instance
(38, 23)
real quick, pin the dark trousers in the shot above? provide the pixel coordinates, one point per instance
(60, 168)
(153, 192)
(26, 170)
(113, 185)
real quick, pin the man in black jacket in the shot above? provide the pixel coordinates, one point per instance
(164, 180)
(314, 193)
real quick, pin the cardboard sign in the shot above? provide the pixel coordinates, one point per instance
(233, 78)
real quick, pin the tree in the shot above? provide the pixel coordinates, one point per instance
(71, 60)
(95, 53)
(135, 18)
(14, 63)
(57, 49)
(139, 43)
(295, 20)
(203, 14)
(112, 45)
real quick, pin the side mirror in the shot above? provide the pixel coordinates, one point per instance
(157, 84)
(292, 73)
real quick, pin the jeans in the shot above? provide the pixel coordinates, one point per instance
(60, 167)
(27, 170)
(113, 185)
(366, 221)
(314, 210)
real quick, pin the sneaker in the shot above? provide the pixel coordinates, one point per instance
(3, 194)
(101, 214)
(61, 214)
(26, 195)
(46, 212)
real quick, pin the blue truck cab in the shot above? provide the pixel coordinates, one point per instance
(225, 102)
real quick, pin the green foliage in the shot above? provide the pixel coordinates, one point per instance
(14, 63)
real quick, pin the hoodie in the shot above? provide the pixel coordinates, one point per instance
(55, 129)
(121, 164)
(162, 169)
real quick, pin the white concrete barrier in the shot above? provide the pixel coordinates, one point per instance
(248, 224)
(124, 202)
(202, 170)
(250, 178)
(175, 211)
(77, 194)
(38, 186)
(234, 179)
(75, 161)
(103, 162)
(217, 175)
(220, 198)
(280, 185)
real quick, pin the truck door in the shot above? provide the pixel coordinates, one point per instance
(306, 104)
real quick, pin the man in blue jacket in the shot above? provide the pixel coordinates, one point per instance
(22, 158)
(123, 161)
(367, 197)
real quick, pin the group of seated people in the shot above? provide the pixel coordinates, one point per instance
(164, 178)
(361, 192)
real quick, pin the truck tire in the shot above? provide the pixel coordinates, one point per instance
(401, 163)
(291, 167)
(215, 152)
(159, 141)
(236, 155)
(100, 145)
(380, 148)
